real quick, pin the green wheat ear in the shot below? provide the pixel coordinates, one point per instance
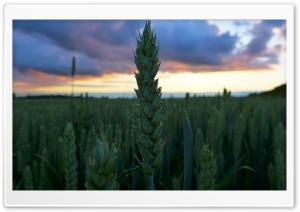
(28, 179)
(208, 169)
(100, 169)
(149, 125)
(70, 161)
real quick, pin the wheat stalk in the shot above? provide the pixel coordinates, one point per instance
(70, 161)
(44, 179)
(149, 126)
(188, 139)
(91, 139)
(100, 169)
(239, 129)
(35, 172)
(60, 157)
(197, 149)
(208, 169)
(28, 179)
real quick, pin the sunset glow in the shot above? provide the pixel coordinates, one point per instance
(196, 56)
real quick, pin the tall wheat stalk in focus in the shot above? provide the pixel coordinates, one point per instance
(149, 125)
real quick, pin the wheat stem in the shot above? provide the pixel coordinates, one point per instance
(149, 126)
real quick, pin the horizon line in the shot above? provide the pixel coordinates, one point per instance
(133, 95)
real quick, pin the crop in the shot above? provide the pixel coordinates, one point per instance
(208, 170)
(149, 132)
(188, 153)
(28, 181)
(191, 143)
(70, 161)
(258, 149)
(100, 174)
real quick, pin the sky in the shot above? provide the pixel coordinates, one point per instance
(197, 56)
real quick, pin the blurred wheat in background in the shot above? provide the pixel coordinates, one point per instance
(198, 142)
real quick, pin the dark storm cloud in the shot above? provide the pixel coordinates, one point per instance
(93, 38)
(38, 52)
(106, 46)
(32, 54)
(194, 42)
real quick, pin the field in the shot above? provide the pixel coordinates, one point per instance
(219, 143)
(149, 142)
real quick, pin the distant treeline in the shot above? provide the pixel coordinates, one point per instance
(51, 96)
(278, 91)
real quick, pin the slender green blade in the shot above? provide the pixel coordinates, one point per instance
(53, 176)
(188, 153)
(228, 178)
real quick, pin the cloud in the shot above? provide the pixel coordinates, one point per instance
(93, 38)
(194, 42)
(35, 78)
(37, 52)
(257, 54)
(273, 23)
(262, 33)
(103, 47)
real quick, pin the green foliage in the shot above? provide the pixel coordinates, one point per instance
(232, 173)
(44, 178)
(70, 161)
(81, 152)
(257, 150)
(100, 172)
(277, 172)
(214, 129)
(188, 153)
(60, 157)
(109, 133)
(277, 168)
(42, 139)
(233, 136)
(28, 180)
(239, 129)
(197, 148)
(35, 172)
(90, 143)
(280, 171)
(208, 170)
(272, 176)
(118, 137)
(175, 184)
(49, 177)
(279, 139)
(21, 164)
